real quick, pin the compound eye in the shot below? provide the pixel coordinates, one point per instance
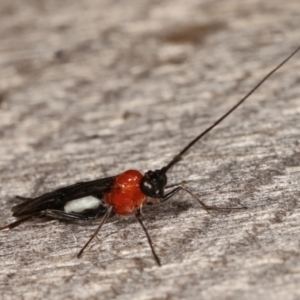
(148, 188)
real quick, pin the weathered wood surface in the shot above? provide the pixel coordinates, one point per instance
(91, 88)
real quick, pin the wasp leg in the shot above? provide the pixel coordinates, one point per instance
(176, 184)
(171, 194)
(61, 215)
(20, 221)
(55, 214)
(105, 217)
(206, 207)
(138, 216)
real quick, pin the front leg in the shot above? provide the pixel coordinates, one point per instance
(206, 207)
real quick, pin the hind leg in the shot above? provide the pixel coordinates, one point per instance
(61, 215)
(20, 221)
(55, 214)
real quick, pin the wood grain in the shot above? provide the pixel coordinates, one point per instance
(91, 88)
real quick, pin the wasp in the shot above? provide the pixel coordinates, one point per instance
(123, 194)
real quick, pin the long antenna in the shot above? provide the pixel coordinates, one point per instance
(178, 157)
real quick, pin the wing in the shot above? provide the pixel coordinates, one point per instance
(58, 198)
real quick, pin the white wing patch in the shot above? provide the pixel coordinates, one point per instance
(79, 205)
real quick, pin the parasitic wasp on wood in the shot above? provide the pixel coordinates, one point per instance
(123, 194)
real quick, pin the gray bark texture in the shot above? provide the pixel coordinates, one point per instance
(91, 88)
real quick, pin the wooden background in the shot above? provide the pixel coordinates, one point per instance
(91, 88)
